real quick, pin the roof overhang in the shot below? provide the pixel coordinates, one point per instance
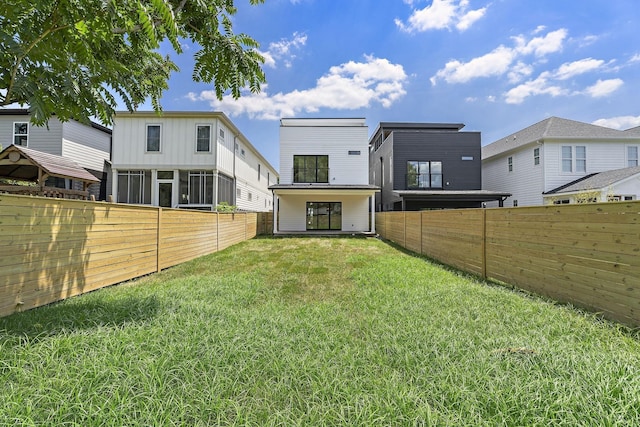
(319, 189)
(446, 195)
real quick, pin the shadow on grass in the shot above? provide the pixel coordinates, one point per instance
(74, 316)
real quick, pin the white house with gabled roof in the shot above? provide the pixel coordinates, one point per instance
(553, 153)
(324, 177)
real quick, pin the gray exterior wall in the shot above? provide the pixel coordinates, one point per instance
(448, 146)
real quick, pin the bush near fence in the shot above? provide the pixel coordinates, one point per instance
(587, 255)
(52, 249)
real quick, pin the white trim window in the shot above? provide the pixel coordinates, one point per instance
(203, 138)
(536, 156)
(581, 158)
(632, 156)
(567, 158)
(510, 163)
(21, 133)
(153, 138)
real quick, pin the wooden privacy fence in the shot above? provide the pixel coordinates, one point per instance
(53, 249)
(587, 255)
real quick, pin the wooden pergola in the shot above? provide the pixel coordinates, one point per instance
(28, 170)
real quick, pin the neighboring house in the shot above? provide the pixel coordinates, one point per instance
(553, 153)
(186, 159)
(324, 177)
(427, 166)
(609, 186)
(88, 145)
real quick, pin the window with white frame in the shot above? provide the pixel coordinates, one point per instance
(153, 138)
(21, 133)
(510, 163)
(536, 156)
(581, 158)
(571, 163)
(567, 158)
(196, 187)
(632, 155)
(203, 138)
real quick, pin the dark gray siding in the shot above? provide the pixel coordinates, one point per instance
(449, 148)
(379, 165)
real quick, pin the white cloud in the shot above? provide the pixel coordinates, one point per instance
(539, 86)
(494, 63)
(571, 69)
(620, 122)
(348, 86)
(604, 88)
(441, 14)
(500, 60)
(635, 58)
(284, 50)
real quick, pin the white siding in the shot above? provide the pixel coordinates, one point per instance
(601, 156)
(355, 212)
(336, 142)
(524, 182)
(247, 181)
(225, 150)
(177, 143)
(86, 135)
(87, 157)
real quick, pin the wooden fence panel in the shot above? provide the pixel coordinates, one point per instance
(454, 237)
(395, 227)
(413, 231)
(587, 254)
(231, 229)
(52, 249)
(185, 235)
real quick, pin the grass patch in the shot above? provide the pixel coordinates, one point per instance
(322, 331)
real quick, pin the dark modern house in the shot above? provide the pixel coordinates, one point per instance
(422, 166)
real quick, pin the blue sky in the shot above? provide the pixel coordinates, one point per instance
(495, 65)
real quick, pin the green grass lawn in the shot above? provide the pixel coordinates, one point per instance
(315, 331)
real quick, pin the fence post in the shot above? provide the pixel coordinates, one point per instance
(484, 243)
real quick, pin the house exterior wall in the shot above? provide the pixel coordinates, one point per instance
(47, 139)
(524, 182)
(327, 139)
(381, 171)
(231, 157)
(447, 147)
(355, 211)
(527, 181)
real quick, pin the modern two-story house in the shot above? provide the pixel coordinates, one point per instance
(88, 145)
(427, 166)
(324, 179)
(187, 159)
(537, 163)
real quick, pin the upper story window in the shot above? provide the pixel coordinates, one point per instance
(203, 138)
(510, 163)
(153, 138)
(424, 174)
(311, 169)
(567, 159)
(569, 164)
(632, 155)
(221, 133)
(21, 133)
(536, 156)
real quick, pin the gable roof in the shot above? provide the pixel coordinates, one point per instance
(554, 128)
(24, 165)
(596, 181)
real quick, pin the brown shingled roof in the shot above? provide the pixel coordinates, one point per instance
(25, 163)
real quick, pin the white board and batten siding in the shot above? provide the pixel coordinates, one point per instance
(177, 142)
(335, 138)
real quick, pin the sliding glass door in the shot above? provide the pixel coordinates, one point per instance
(324, 216)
